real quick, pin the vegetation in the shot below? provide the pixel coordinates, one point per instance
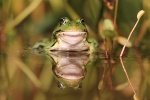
(26, 76)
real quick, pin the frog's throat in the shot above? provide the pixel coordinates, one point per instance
(72, 37)
(72, 33)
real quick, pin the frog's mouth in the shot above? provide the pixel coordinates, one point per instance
(72, 37)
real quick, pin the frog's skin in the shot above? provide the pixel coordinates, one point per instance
(71, 36)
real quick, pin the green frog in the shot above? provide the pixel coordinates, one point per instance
(70, 36)
(69, 67)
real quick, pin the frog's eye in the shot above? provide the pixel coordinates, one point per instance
(79, 86)
(60, 85)
(82, 21)
(62, 21)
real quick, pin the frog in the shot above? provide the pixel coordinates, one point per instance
(70, 68)
(71, 36)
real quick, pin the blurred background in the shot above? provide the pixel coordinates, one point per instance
(27, 76)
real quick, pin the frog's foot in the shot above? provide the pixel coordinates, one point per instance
(39, 47)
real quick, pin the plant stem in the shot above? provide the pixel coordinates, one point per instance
(128, 38)
(115, 15)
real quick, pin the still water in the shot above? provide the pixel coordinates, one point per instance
(28, 75)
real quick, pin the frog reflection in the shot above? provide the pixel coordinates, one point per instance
(69, 68)
(70, 48)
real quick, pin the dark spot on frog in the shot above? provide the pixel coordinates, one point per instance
(58, 31)
(40, 49)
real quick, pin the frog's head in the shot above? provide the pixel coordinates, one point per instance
(71, 32)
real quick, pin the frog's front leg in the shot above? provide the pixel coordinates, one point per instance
(93, 45)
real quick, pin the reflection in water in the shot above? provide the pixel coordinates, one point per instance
(69, 68)
(105, 76)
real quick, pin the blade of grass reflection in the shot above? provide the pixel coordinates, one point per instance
(144, 91)
(121, 86)
(46, 76)
(28, 72)
(143, 88)
(40, 96)
(143, 64)
(4, 65)
(89, 83)
(4, 78)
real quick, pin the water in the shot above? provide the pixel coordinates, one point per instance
(72, 75)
